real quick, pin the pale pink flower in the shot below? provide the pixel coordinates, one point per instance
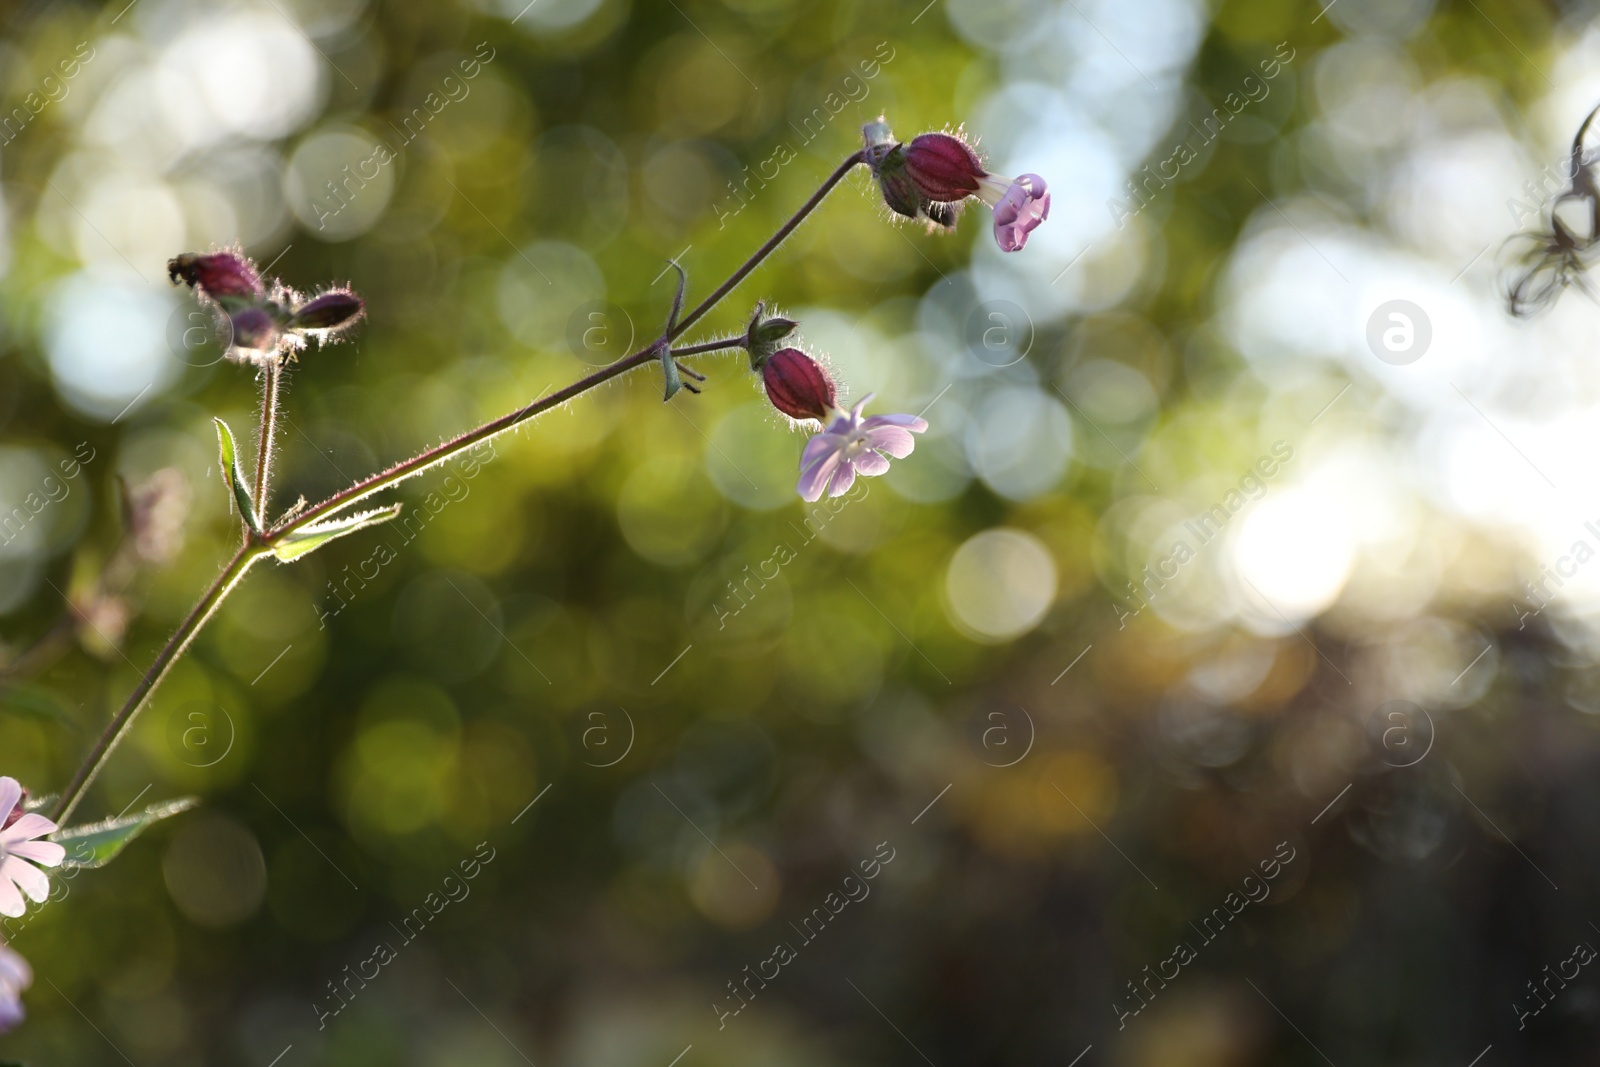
(852, 445)
(18, 845)
(1020, 205)
(15, 976)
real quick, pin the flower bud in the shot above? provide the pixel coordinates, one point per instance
(330, 311)
(254, 329)
(798, 386)
(226, 277)
(943, 167)
(763, 334)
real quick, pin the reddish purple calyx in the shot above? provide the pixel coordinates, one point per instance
(798, 386)
(943, 167)
(331, 310)
(223, 276)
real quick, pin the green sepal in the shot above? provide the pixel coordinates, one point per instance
(96, 844)
(232, 473)
(669, 373)
(310, 538)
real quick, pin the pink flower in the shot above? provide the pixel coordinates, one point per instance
(798, 386)
(853, 445)
(17, 847)
(15, 976)
(1019, 207)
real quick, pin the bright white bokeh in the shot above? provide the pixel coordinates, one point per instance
(106, 337)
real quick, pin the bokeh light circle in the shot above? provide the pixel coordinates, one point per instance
(999, 584)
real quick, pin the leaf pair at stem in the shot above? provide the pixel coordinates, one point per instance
(292, 544)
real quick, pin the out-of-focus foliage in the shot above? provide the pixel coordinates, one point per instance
(1199, 565)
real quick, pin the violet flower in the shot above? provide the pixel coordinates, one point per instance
(1020, 205)
(852, 445)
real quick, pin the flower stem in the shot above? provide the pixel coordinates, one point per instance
(767, 249)
(175, 647)
(269, 427)
(710, 346)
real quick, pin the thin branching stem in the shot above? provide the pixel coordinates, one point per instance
(169, 654)
(257, 547)
(767, 249)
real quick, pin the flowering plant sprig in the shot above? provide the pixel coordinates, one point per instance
(269, 324)
(932, 176)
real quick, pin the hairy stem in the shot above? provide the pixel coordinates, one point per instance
(767, 249)
(710, 346)
(175, 647)
(269, 428)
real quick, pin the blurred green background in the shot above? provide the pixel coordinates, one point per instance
(1075, 737)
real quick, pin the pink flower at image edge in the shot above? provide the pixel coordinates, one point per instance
(15, 976)
(852, 445)
(18, 846)
(19, 831)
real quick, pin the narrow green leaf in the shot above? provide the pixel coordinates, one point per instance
(677, 299)
(232, 473)
(96, 844)
(311, 538)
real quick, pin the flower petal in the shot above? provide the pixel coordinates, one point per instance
(10, 793)
(29, 826)
(44, 853)
(1020, 211)
(911, 422)
(30, 879)
(15, 973)
(819, 446)
(843, 478)
(815, 477)
(869, 464)
(895, 440)
(11, 1013)
(11, 904)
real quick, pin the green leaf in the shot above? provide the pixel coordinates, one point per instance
(310, 538)
(96, 844)
(235, 476)
(669, 374)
